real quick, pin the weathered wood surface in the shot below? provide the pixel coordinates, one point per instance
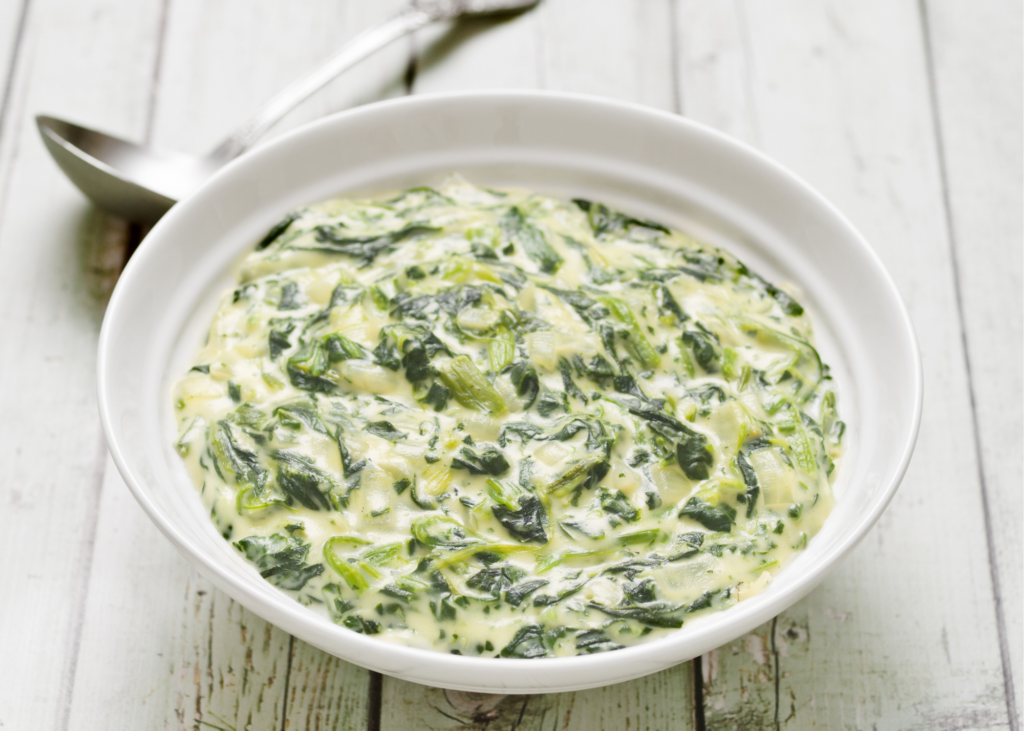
(979, 118)
(60, 260)
(843, 98)
(906, 114)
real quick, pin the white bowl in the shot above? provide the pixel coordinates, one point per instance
(647, 162)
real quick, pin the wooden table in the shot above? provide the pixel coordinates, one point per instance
(906, 114)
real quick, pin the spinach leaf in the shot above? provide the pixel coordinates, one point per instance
(528, 524)
(702, 265)
(667, 303)
(580, 475)
(750, 480)
(524, 378)
(280, 559)
(366, 248)
(234, 459)
(437, 396)
(694, 455)
(291, 298)
(655, 615)
(296, 414)
(597, 369)
(495, 581)
(520, 232)
(594, 640)
(523, 429)
(549, 403)
(527, 642)
(348, 465)
(363, 626)
(384, 430)
(517, 594)
(567, 383)
(278, 342)
(490, 461)
(306, 368)
(277, 229)
(718, 518)
(627, 384)
(702, 344)
(789, 305)
(299, 477)
(617, 504)
(340, 348)
(640, 592)
(604, 220)
(450, 301)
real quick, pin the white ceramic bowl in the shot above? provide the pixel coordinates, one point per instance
(646, 162)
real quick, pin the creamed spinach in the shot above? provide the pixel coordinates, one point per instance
(496, 423)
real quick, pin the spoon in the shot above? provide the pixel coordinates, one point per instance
(141, 183)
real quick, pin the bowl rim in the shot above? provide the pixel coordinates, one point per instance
(285, 612)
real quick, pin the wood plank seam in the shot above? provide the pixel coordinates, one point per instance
(674, 57)
(158, 65)
(699, 722)
(696, 674)
(287, 682)
(81, 586)
(12, 68)
(1004, 650)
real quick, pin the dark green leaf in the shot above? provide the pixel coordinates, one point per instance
(299, 477)
(384, 430)
(277, 229)
(437, 396)
(528, 524)
(694, 455)
(366, 248)
(494, 581)
(524, 378)
(703, 347)
(528, 642)
(618, 504)
(340, 348)
(594, 640)
(490, 461)
(517, 594)
(278, 342)
(604, 220)
(291, 298)
(363, 626)
(280, 559)
(719, 518)
(520, 232)
(750, 480)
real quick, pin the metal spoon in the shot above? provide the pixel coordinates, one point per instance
(141, 183)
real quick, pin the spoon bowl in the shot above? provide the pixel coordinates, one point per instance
(135, 182)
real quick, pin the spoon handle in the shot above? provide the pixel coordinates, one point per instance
(364, 44)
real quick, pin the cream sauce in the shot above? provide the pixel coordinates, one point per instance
(497, 423)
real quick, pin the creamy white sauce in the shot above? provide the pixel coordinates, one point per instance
(492, 422)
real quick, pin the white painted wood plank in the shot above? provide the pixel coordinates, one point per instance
(976, 54)
(603, 47)
(147, 659)
(162, 648)
(654, 703)
(224, 59)
(59, 261)
(13, 16)
(905, 631)
(171, 651)
(610, 48)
